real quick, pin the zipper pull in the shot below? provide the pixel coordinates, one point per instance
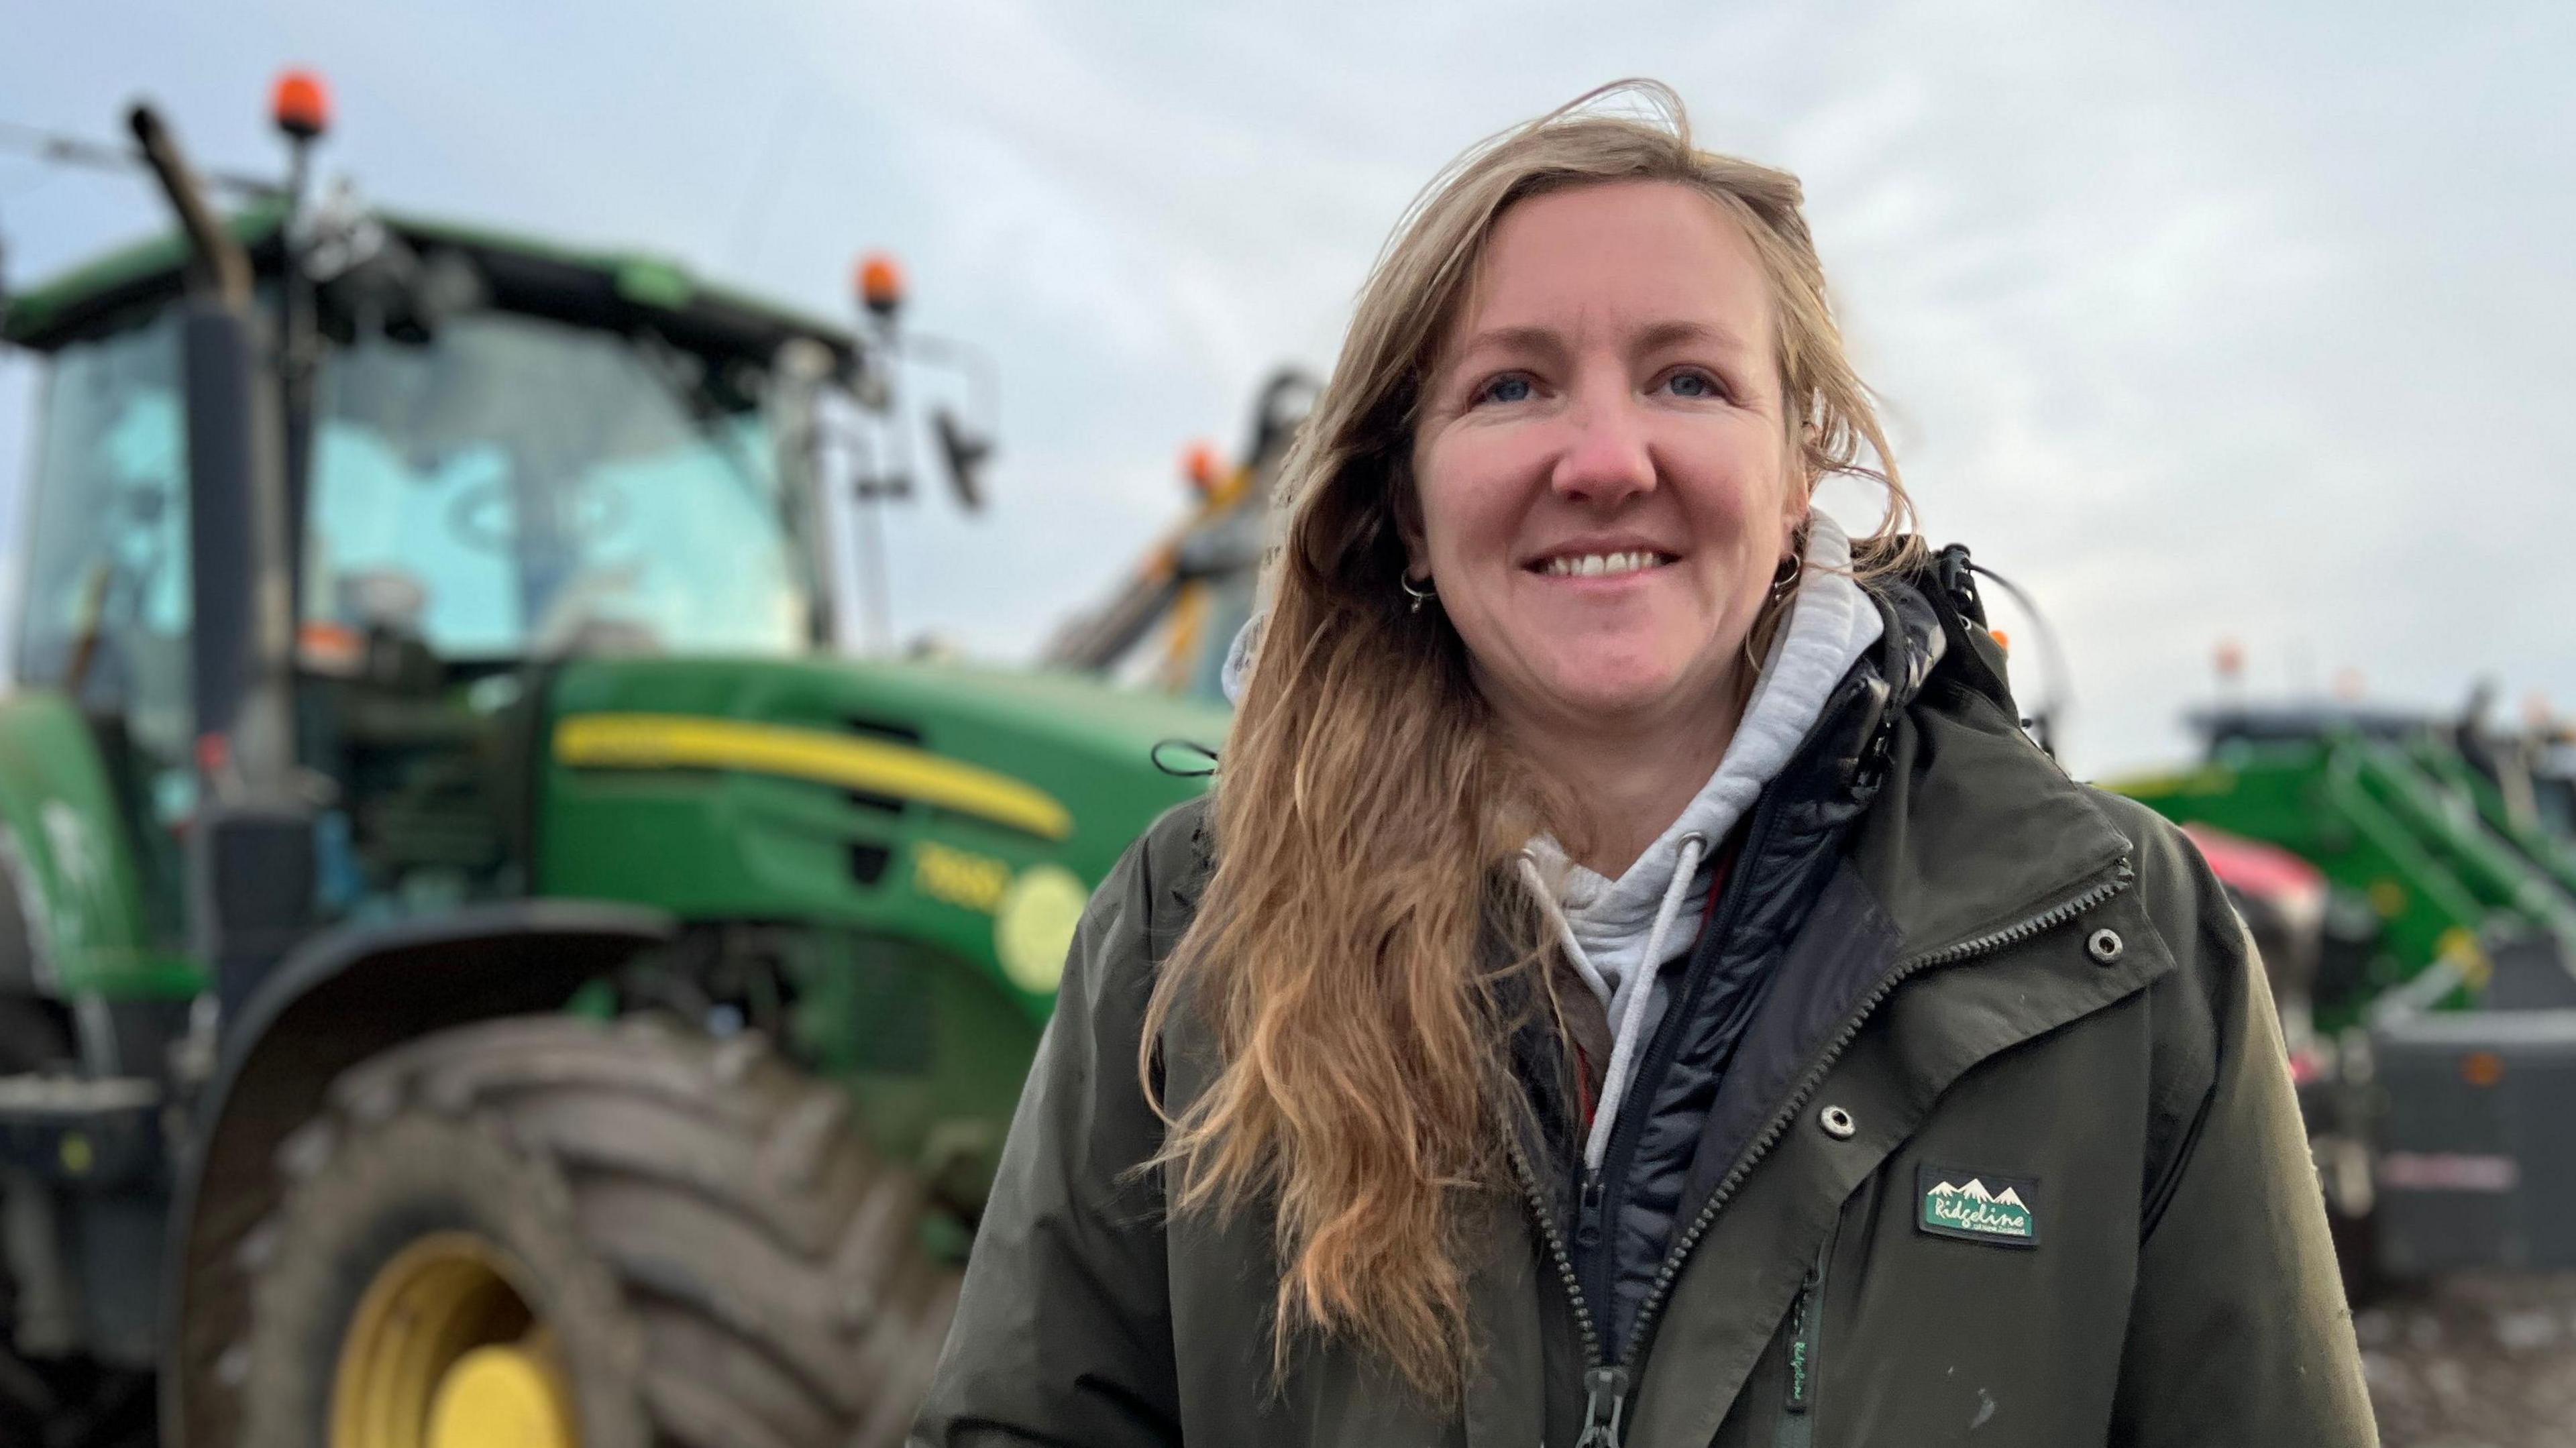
(1587, 1212)
(1605, 1400)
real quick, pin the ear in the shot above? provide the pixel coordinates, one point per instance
(1794, 508)
(1799, 496)
(1405, 504)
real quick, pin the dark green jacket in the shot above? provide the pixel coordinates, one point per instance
(2027, 1170)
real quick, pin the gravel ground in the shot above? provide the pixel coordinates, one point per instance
(2483, 1361)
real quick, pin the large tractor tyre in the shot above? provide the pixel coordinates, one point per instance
(552, 1233)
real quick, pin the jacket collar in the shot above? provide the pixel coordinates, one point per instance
(1973, 825)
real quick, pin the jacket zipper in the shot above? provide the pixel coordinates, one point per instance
(1606, 1386)
(1806, 1323)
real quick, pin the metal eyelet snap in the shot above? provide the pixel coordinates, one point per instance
(2105, 946)
(1837, 1123)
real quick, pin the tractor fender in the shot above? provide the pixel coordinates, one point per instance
(337, 999)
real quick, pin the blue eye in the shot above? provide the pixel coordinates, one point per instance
(1510, 387)
(1693, 384)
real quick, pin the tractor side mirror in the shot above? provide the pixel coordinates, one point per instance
(965, 453)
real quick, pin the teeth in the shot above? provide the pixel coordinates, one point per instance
(1591, 565)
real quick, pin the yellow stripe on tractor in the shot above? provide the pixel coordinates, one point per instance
(874, 766)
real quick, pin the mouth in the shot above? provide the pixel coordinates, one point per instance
(1602, 564)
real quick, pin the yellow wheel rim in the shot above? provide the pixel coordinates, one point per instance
(444, 1352)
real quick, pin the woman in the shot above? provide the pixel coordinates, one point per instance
(1635, 983)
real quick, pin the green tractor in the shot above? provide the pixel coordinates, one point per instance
(475, 967)
(2432, 1013)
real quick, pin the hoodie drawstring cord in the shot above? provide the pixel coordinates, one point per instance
(1564, 928)
(1632, 1021)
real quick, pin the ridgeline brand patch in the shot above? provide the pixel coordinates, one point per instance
(1978, 1206)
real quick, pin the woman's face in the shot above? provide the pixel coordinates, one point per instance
(1601, 463)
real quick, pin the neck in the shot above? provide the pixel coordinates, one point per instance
(1627, 779)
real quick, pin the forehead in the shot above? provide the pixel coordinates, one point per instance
(1620, 255)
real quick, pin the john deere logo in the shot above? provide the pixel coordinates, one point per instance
(1033, 925)
(1979, 1206)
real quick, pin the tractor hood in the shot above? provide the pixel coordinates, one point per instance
(972, 807)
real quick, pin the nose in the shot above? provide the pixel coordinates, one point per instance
(1606, 460)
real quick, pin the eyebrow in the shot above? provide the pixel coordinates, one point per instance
(1656, 337)
(1515, 339)
(1677, 333)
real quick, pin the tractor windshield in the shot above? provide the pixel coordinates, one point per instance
(522, 488)
(515, 488)
(103, 607)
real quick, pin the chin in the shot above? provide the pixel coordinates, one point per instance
(1610, 693)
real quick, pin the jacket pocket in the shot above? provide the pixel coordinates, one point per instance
(1806, 1336)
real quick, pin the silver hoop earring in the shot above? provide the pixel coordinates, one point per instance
(1785, 577)
(1418, 596)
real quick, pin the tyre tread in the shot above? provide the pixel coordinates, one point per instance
(770, 1261)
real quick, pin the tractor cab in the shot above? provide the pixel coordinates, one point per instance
(2553, 784)
(510, 456)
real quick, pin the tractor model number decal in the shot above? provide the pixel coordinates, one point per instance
(975, 882)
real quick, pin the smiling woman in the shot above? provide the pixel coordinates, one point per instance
(1629, 925)
(1607, 484)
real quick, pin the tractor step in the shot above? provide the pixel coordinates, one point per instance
(93, 1131)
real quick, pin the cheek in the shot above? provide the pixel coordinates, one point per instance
(1467, 504)
(1735, 488)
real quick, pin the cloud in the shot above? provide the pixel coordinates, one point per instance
(2200, 322)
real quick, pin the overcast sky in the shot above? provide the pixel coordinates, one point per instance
(2199, 323)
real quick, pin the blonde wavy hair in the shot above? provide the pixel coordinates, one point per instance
(1351, 951)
